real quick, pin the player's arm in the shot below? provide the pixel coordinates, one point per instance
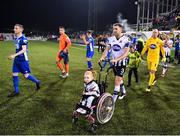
(85, 41)
(18, 53)
(83, 37)
(68, 41)
(162, 51)
(144, 49)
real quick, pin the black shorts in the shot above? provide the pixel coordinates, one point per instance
(119, 70)
(64, 56)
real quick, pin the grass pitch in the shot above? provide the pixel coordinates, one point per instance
(49, 110)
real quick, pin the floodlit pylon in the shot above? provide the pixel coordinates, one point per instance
(92, 15)
(147, 10)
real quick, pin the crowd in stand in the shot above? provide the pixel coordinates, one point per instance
(168, 21)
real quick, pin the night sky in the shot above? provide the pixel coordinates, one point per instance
(49, 14)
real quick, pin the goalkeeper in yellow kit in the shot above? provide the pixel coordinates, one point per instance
(153, 47)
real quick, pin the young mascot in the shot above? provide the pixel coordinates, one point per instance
(134, 58)
(90, 93)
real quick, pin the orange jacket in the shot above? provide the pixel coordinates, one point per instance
(64, 42)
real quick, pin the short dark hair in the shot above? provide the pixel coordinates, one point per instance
(89, 31)
(132, 46)
(19, 25)
(117, 24)
(62, 27)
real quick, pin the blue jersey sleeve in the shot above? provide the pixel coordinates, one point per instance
(90, 40)
(24, 41)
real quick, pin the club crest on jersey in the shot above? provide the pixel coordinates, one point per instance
(153, 46)
(116, 47)
(25, 41)
(17, 44)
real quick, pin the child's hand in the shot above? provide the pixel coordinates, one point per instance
(86, 93)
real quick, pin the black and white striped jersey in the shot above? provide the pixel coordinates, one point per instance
(117, 47)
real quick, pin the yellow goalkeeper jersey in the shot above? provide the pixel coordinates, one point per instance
(153, 47)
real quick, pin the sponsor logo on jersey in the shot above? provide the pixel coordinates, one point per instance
(153, 46)
(116, 47)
